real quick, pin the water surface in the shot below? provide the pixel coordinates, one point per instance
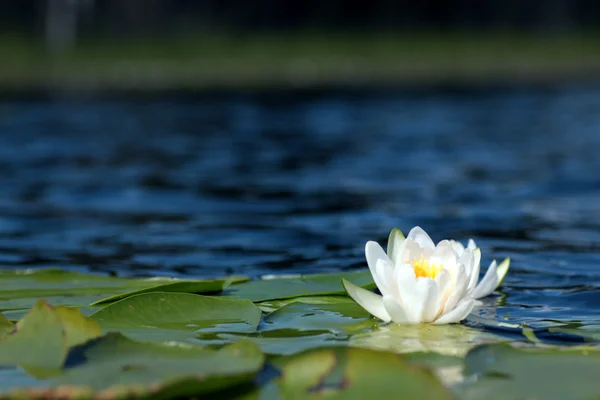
(284, 183)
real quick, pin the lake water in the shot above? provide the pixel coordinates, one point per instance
(202, 186)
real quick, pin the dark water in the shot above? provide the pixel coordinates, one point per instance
(284, 183)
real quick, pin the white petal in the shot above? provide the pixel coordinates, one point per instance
(395, 311)
(405, 279)
(457, 246)
(431, 300)
(459, 313)
(488, 284)
(385, 275)
(409, 252)
(502, 270)
(370, 301)
(444, 287)
(444, 254)
(374, 253)
(466, 259)
(420, 236)
(418, 299)
(395, 241)
(475, 271)
(458, 291)
(471, 245)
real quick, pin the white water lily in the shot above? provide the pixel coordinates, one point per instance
(423, 282)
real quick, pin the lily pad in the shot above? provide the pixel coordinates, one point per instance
(77, 328)
(305, 285)
(5, 326)
(340, 317)
(283, 342)
(114, 367)
(177, 316)
(351, 373)
(28, 347)
(273, 305)
(21, 289)
(42, 338)
(179, 286)
(505, 372)
(300, 325)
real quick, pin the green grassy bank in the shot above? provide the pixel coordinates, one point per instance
(300, 60)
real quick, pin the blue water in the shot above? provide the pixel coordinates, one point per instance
(202, 186)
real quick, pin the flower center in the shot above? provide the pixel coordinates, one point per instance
(425, 269)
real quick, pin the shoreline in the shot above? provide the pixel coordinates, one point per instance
(304, 62)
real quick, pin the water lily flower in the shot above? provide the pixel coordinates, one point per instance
(423, 282)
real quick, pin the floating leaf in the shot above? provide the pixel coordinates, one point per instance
(179, 286)
(39, 340)
(299, 326)
(306, 285)
(177, 316)
(273, 305)
(20, 290)
(504, 372)
(42, 338)
(5, 326)
(283, 342)
(354, 374)
(341, 317)
(77, 328)
(116, 367)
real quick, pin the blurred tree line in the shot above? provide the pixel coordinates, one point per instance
(155, 17)
(100, 17)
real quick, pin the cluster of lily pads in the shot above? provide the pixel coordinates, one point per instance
(285, 338)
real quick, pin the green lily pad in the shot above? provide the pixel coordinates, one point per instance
(21, 289)
(341, 317)
(116, 367)
(300, 325)
(29, 348)
(351, 373)
(177, 316)
(5, 326)
(179, 286)
(282, 342)
(504, 372)
(77, 328)
(273, 305)
(305, 285)
(42, 338)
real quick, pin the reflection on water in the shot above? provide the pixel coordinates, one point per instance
(297, 183)
(450, 340)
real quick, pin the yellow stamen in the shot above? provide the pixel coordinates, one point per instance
(425, 269)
